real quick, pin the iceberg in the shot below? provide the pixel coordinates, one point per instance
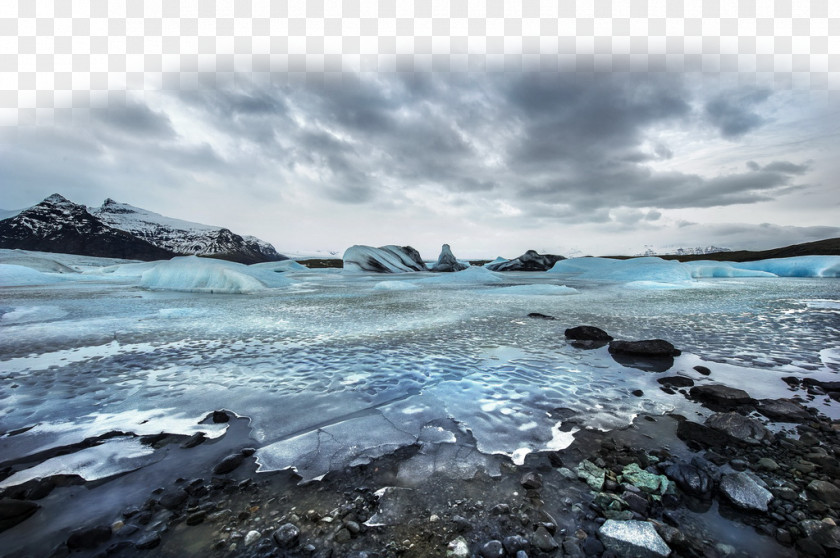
(529, 261)
(206, 275)
(280, 267)
(447, 261)
(385, 259)
(703, 269)
(649, 269)
(799, 266)
(17, 275)
(474, 275)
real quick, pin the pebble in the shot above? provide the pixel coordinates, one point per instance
(457, 548)
(768, 464)
(492, 549)
(531, 481)
(287, 535)
(228, 464)
(252, 537)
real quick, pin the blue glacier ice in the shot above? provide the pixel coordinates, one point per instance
(800, 266)
(206, 275)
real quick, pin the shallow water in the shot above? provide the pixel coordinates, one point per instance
(334, 371)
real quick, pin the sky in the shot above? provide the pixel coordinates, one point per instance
(491, 162)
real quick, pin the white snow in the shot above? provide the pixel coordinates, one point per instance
(205, 275)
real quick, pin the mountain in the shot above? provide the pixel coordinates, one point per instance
(184, 237)
(59, 225)
(827, 247)
(698, 251)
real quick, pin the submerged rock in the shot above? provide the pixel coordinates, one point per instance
(633, 539)
(539, 316)
(287, 535)
(228, 464)
(646, 348)
(784, 410)
(588, 333)
(14, 511)
(738, 426)
(676, 381)
(447, 262)
(529, 261)
(743, 490)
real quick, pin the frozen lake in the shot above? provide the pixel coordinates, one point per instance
(335, 369)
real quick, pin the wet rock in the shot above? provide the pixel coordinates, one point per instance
(457, 548)
(88, 538)
(252, 537)
(720, 397)
(738, 426)
(702, 370)
(588, 333)
(515, 543)
(538, 316)
(826, 492)
(147, 542)
(194, 440)
(636, 503)
(646, 348)
(220, 416)
(591, 474)
(822, 533)
(343, 536)
(676, 381)
(196, 518)
(14, 511)
(637, 539)
(784, 410)
(739, 464)
(745, 492)
(174, 498)
(767, 464)
(531, 481)
(286, 536)
(689, 479)
(228, 464)
(645, 481)
(637, 393)
(492, 549)
(591, 547)
(542, 540)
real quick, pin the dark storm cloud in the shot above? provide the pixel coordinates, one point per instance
(733, 112)
(135, 119)
(786, 167)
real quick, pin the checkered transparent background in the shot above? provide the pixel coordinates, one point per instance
(63, 55)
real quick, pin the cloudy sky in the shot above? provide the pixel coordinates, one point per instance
(493, 163)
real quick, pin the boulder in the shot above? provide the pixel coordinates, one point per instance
(690, 479)
(633, 539)
(784, 410)
(738, 426)
(14, 511)
(645, 481)
(746, 491)
(228, 464)
(719, 397)
(826, 492)
(88, 538)
(824, 534)
(529, 261)
(645, 348)
(588, 333)
(447, 262)
(695, 434)
(676, 381)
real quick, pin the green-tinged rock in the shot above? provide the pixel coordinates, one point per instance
(625, 515)
(591, 474)
(648, 482)
(457, 548)
(609, 501)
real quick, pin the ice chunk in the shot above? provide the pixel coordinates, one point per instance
(624, 271)
(800, 266)
(385, 259)
(280, 267)
(206, 275)
(496, 261)
(124, 270)
(535, 290)
(474, 274)
(29, 314)
(395, 286)
(707, 269)
(447, 261)
(18, 275)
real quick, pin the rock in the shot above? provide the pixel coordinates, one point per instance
(571, 549)
(588, 333)
(720, 397)
(633, 539)
(515, 543)
(689, 479)
(196, 518)
(637, 393)
(88, 538)
(695, 434)
(767, 464)
(228, 464)
(529, 261)
(531, 481)
(647, 482)
(343, 535)
(738, 426)
(14, 511)
(174, 498)
(702, 370)
(252, 537)
(538, 316)
(591, 546)
(385, 259)
(646, 348)
(492, 549)
(742, 490)
(521, 554)
(220, 416)
(447, 261)
(147, 542)
(286, 536)
(591, 474)
(542, 540)
(824, 491)
(822, 533)
(194, 440)
(676, 381)
(739, 464)
(784, 410)
(457, 548)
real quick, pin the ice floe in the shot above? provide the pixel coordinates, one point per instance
(205, 275)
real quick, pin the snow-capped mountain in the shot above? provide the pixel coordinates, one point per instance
(59, 225)
(698, 251)
(184, 237)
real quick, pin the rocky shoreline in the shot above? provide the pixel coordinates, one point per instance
(755, 478)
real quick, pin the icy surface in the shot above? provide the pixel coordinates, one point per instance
(339, 368)
(205, 275)
(15, 275)
(802, 266)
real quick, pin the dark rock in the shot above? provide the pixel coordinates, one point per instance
(539, 316)
(572, 550)
(88, 538)
(785, 410)
(826, 492)
(173, 499)
(700, 436)
(287, 535)
(147, 542)
(194, 440)
(529, 261)
(196, 518)
(515, 543)
(220, 416)
(343, 535)
(542, 540)
(248, 452)
(637, 392)
(739, 464)
(824, 534)
(689, 479)
(500, 509)
(739, 427)
(636, 503)
(588, 333)
(719, 397)
(702, 370)
(531, 481)
(745, 491)
(646, 348)
(592, 547)
(228, 464)
(676, 381)
(447, 262)
(492, 549)
(13, 511)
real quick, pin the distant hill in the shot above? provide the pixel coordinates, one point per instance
(828, 247)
